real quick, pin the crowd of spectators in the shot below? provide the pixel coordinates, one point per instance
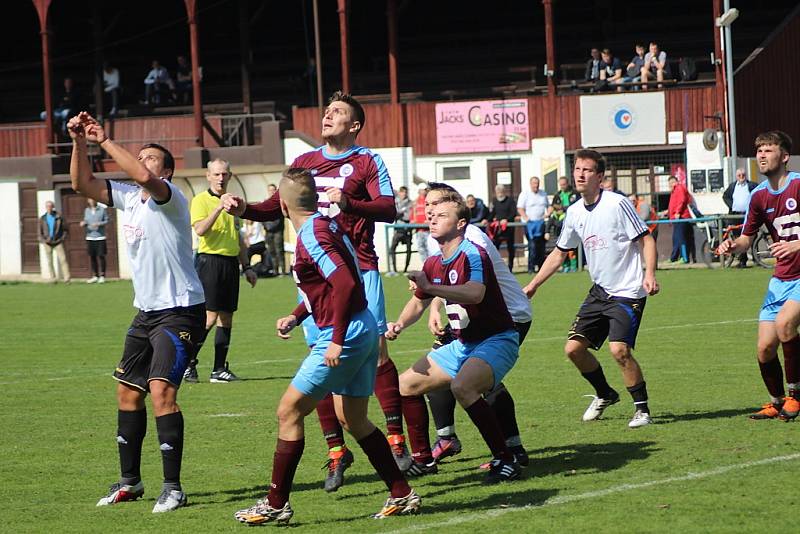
(607, 73)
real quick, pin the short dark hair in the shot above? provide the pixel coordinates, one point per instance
(607, 51)
(672, 178)
(403, 188)
(775, 137)
(594, 155)
(169, 161)
(358, 110)
(441, 186)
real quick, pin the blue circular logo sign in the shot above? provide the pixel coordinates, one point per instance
(623, 119)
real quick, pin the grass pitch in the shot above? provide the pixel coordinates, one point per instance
(702, 467)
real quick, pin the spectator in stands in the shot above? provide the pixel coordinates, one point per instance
(564, 198)
(655, 66)
(52, 232)
(532, 207)
(593, 66)
(646, 212)
(737, 198)
(157, 84)
(478, 212)
(67, 106)
(94, 223)
(418, 217)
(403, 205)
(610, 70)
(504, 211)
(183, 81)
(633, 72)
(679, 201)
(275, 239)
(111, 86)
(610, 184)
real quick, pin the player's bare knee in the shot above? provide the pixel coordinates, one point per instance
(622, 354)
(409, 384)
(287, 414)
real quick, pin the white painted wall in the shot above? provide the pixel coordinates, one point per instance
(10, 230)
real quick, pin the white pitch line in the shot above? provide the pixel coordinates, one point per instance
(652, 329)
(464, 518)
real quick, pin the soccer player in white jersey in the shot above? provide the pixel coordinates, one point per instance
(615, 239)
(161, 339)
(443, 402)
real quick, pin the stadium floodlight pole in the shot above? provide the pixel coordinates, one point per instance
(725, 21)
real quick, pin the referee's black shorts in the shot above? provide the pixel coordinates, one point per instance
(602, 316)
(220, 278)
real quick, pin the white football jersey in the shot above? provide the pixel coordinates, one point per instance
(608, 231)
(518, 304)
(159, 242)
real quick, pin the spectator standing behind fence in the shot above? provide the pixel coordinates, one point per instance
(111, 86)
(610, 70)
(275, 239)
(646, 212)
(403, 205)
(52, 233)
(679, 201)
(183, 81)
(564, 198)
(737, 198)
(504, 211)
(593, 66)
(67, 106)
(532, 207)
(95, 219)
(418, 217)
(157, 84)
(655, 66)
(478, 212)
(610, 184)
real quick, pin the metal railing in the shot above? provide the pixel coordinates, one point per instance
(238, 130)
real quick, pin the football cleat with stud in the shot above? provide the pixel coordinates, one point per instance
(790, 410)
(599, 405)
(337, 463)
(418, 469)
(400, 506)
(262, 512)
(767, 411)
(223, 376)
(397, 442)
(445, 448)
(119, 492)
(502, 471)
(639, 419)
(190, 374)
(170, 500)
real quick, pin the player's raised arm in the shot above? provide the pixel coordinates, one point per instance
(80, 170)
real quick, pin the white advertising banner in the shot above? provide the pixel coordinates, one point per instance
(633, 118)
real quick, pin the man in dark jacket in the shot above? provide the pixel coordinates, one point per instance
(52, 233)
(504, 211)
(737, 197)
(478, 212)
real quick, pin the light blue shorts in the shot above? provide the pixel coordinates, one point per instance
(355, 374)
(778, 292)
(500, 351)
(373, 287)
(310, 331)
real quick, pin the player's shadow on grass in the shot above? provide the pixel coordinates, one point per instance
(697, 416)
(587, 458)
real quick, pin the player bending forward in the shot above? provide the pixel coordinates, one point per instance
(487, 345)
(343, 360)
(614, 239)
(774, 203)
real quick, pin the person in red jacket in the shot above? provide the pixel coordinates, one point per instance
(679, 201)
(418, 217)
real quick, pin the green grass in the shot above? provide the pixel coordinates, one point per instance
(696, 347)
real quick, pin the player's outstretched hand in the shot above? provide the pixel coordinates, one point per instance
(419, 280)
(285, 325)
(251, 277)
(332, 354)
(435, 324)
(392, 331)
(784, 249)
(75, 128)
(233, 204)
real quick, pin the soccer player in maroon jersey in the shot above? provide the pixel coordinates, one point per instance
(774, 203)
(487, 344)
(342, 362)
(354, 189)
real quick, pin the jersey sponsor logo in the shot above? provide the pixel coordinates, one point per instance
(787, 225)
(132, 233)
(329, 181)
(791, 204)
(595, 242)
(452, 276)
(458, 316)
(346, 170)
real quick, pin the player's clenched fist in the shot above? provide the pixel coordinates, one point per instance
(725, 247)
(393, 330)
(233, 204)
(285, 325)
